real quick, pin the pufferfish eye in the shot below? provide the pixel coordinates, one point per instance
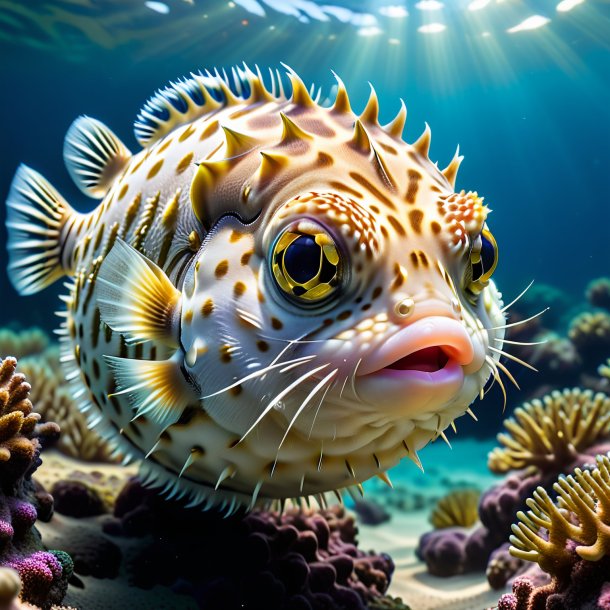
(306, 263)
(484, 260)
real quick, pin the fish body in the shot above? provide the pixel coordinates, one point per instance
(273, 299)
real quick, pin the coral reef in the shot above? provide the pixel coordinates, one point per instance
(457, 508)
(39, 360)
(551, 432)
(44, 574)
(546, 437)
(302, 559)
(590, 334)
(569, 538)
(598, 293)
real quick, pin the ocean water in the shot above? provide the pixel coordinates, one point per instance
(522, 86)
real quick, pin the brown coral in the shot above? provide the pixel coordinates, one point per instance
(54, 402)
(456, 509)
(551, 432)
(581, 514)
(17, 421)
(590, 333)
(598, 293)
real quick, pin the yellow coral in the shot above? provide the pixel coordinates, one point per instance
(458, 508)
(51, 396)
(604, 370)
(550, 432)
(590, 330)
(581, 513)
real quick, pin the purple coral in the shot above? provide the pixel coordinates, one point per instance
(301, 560)
(44, 574)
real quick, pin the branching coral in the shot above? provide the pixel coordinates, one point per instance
(580, 514)
(44, 575)
(457, 508)
(52, 397)
(550, 433)
(569, 539)
(18, 424)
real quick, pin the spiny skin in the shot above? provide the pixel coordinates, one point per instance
(205, 201)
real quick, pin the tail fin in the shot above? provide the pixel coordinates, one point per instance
(36, 213)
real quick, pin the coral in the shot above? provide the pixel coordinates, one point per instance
(44, 575)
(24, 343)
(301, 559)
(54, 402)
(569, 538)
(604, 370)
(10, 586)
(370, 512)
(77, 499)
(550, 433)
(501, 567)
(387, 603)
(590, 333)
(457, 508)
(598, 293)
(19, 427)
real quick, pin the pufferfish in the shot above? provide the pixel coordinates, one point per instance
(274, 299)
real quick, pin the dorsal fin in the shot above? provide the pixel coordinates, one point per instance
(94, 156)
(191, 98)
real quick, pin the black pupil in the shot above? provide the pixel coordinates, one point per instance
(488, 254)
(302, 259)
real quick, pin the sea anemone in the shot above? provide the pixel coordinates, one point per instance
(549, 433)
(456, 509)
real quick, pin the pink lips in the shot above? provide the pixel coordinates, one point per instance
(427, 346)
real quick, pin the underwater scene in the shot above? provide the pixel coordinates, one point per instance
(305, 304)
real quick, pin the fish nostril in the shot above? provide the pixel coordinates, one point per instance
(405, 307)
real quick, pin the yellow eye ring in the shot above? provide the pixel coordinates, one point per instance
(484, 260)
(306, 263)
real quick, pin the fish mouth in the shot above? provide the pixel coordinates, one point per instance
(426, 346)
(418, 368)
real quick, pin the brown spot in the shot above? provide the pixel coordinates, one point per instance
(236, 391)
(414, 177)
(263, 346)
(415, 218)
(376, 292)
(435, 188)
(384, 231)
(260, 296)
(236, 236)
(184, 163)
(388, 148)
(324, 159)
(188, 316)
(344, 315)
(96, 369)
(221, 269)
(187, 133)
(239, 289)
(435, 227)
(366, 307)
(164, 146)
(154, 170)
(362, 181)
(339, 186)
(277, 324)
(123, 191)
(207, 308)
(225, 353)
(245, 258)
(375, 209)
(209, 130)
(414, 259)
(396, 225)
